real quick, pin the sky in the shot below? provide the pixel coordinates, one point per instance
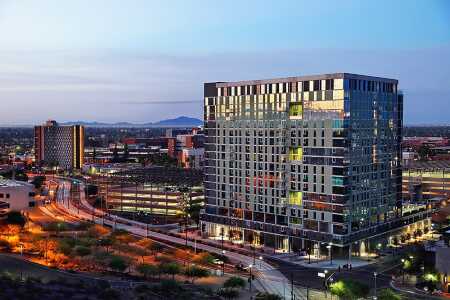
(143, 61)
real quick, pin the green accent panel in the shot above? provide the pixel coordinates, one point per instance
(295, 198)
(295, 153)
(295, 110)
(337, 180)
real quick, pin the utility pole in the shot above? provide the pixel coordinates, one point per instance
(375, 277)
(251, 278)
(292, 286)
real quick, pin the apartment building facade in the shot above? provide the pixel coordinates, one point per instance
(299, 161)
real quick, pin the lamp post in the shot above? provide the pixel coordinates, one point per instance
(403, 270)
(329, 254)
(223, 262)
(251, 277)
(222, 233)
(260, 262)
(309, 255)
(375, 279)
(186, 228)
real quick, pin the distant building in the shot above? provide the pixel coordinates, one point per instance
(157, 194)
(417, 142)
(192, 158)
(424, 180)
(188, 148)
(59, 146)
(16, 195)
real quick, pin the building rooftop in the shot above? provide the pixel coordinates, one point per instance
(162, 175)
(428, 165)
(7, 183)
(303, 78)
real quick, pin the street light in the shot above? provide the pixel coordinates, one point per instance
(186, 228)
(375, 278)
(223, 262)
(250, 267)
(329, 254)
(260, 262)
(325, 278)
(403, 270)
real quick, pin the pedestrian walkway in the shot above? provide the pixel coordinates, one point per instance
(323, 262)
(314, 262)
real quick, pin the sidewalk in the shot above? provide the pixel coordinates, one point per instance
(310, 262)
(412, 291)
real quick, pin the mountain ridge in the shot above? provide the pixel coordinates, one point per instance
(182, 121)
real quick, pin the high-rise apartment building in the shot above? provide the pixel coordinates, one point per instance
(59, 146)
(299, 162)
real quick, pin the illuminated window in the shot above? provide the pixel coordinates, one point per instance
(295, 198)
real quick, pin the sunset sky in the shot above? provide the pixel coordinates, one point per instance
(142, 61)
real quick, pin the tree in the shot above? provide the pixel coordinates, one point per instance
(150, 245)
(147, 270)
(126, 152)
(170, 269)
(267, 296)
(193, 210)
(106, 242)
(115, 155)
(38, 181)
(424, 152)
(196, 273)
(118, 264)
(203, 258)
(235, 283)
(16, 218)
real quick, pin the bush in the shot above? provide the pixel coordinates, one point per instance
(267, 296)
(349, 289)
(203, 258)
(388, 294)
(235, 283)
(55, 227)
(65, 246)
(147, 270)
(117, 263)
(170, 269)
(82, 250)
(196, 272)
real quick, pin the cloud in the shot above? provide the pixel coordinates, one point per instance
(160, 102)
(113, 86)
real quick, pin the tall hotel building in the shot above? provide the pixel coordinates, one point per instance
(59, 146)
(303, 162)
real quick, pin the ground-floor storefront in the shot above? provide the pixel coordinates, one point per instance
(315, 250)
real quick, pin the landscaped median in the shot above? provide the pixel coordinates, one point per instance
(97, 252)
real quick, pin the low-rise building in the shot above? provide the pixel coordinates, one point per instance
(16, 195)
(153, 194)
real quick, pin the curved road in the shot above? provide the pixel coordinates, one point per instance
(269, 278)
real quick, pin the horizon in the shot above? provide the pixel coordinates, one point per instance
(147, 60)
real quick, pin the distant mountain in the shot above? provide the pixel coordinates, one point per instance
(182, 121)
